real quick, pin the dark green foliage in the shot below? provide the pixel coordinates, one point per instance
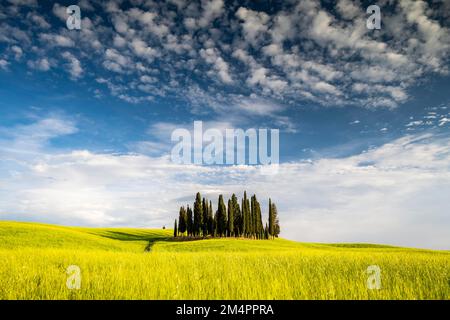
(271, 220)
(175, 230)
(230, 220)
(221, 217)
(205, 217)
(190, 222)
(215, 224)
(246, 215)
(259, 228)
(276, 230)
(198, 215)
(243, 217)
(210, 220)
(182, 221)
(237, 216)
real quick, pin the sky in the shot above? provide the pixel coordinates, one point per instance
(86, 115)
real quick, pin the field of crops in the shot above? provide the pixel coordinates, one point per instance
(147, 264)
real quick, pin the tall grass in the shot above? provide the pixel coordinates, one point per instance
(208, 269)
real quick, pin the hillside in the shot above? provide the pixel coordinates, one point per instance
(123, 263)
(15, 235)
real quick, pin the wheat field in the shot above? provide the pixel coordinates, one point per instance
(148, 264)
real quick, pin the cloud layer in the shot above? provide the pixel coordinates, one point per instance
(215, 54)
(392, 194)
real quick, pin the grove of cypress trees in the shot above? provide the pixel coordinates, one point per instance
(228, 221)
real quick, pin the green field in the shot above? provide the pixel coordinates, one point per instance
(147, 264)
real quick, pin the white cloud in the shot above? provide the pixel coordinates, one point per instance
(4, 64)
(60, 11)
(119, 41)
(349, 9)
(75, 69)
(42, 64)
(259, 106)
(326, 88)
(57, 40)
(212, 57)
(33, 138)
(29, 3)
(443, 121)
(436, 38)
(254, 24)
(211, 10)
(38, 20)
(116, 62)
(18, 52)
(141, 49)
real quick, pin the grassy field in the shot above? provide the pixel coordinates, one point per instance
(147, 264)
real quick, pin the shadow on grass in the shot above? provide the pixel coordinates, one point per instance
(128, 236)
(150, 238)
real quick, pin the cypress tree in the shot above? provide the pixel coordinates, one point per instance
(249, 218)
(182, 221)
(243, 215)
(237, 216)
(258, 226)
(210, 219)
(175, 230)
(205, 217)
(271, 220)
(216, 223)
(230, 218)
(221, 217)
(246, 215)
(190, 223)
(198, 214)
(276, 228)
(253, 217)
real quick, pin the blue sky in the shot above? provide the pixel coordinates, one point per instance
(364, 115)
